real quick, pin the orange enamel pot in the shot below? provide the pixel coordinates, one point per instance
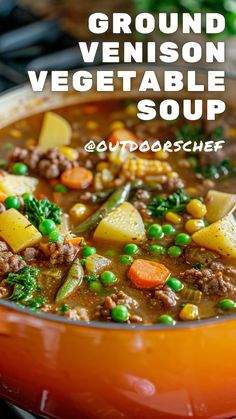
(68, 370)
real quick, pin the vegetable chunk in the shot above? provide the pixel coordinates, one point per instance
(219, 236)
(55, 131)
(123, 225)
(18, 185)
(147, 274)
(219, 204)
(17, 230)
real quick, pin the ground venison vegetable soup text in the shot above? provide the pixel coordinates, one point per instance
(117, 236)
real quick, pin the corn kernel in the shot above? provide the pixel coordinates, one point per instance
(162, 155)
(30, 142)
(196, 208)
(189, 312)
(97, 182)
(131, 109)
(69, 152)
(172, 175)
(91, 125)
(173, 218)
(80, 211)
(192, 226)
(191, 191)
(102, 165)
(232, 132)
(116, 125)
(119, 156)
(15, 133)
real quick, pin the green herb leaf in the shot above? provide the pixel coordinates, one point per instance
(37, 211)
(24, 284)
(176, 203)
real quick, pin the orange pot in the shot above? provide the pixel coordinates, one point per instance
(64, 369)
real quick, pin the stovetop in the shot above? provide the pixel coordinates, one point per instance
(28, 42)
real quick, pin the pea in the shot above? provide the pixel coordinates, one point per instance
(158, 249)
(54, 236)
(46, 227)
(166, 319)
(120, 313)
(27, 196)
(183, 239)
(20, 169)
(174, 251)
(155, 231)
(60, 188)
(227, 304)
(168, 229)
(108, 278)
(12, 202)
(95, 286)
(126, 259)
(88, 250)
(131, 249)
(175, 284)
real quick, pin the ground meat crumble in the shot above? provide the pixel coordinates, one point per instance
(103, 311)
(166, 297)
(48, 164)
(214, 279)
(8, 261)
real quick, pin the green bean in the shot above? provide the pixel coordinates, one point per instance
(114, 200)
(72, 281)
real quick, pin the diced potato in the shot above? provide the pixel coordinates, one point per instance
(96, 263)
(219, 204)
(219, 236)
(17, 231)
(64, 227)
(18, 185)
(55, 131)
(123, 225)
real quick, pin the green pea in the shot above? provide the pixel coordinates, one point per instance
(183, 239)
(226, 304)
(175, 284)
(88, 250)
(120, 313)
(168, 229)
(27, 196)
(166, 319)
(95, 286)
(20, 169)
(131, 249)
(158, 249)
(12, 202)
(54, 237)
(108, 278)
(46, 227)
(155, 231)
(174, 251)
(126, 259)
(60, 188)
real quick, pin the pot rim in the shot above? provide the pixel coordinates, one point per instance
(106, 325)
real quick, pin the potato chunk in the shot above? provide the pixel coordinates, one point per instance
(55, 131)
(219, 204)
(123, 225)
(219, 236)
(18, 185)
(17, 231)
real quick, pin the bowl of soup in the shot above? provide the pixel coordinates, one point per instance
(118, 272)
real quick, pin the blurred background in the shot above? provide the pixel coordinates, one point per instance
(43, 34)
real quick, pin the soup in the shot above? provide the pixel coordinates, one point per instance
(117, 236)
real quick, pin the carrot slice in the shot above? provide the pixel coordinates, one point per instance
(121, 135)
(77, 178)
(3, 196)
(74, 240)
(147, 274)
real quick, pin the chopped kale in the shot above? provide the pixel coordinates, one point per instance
(91, 277)
(218, 133)
(189, 132)
(37, 211)
(35, 303)
(64, 308)
(24, 284)
(176, 203)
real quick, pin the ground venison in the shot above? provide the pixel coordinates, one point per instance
(103, 311)
(166, 297)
